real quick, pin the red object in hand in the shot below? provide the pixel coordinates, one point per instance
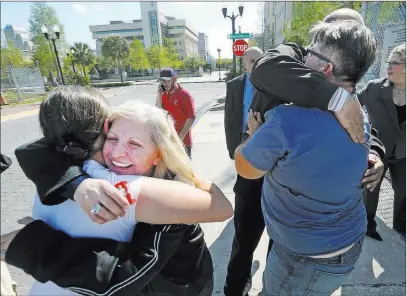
(124, 188)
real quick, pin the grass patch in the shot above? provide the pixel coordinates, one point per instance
(12, 98)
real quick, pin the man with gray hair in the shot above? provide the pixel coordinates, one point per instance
(248, 219)
(312, 199)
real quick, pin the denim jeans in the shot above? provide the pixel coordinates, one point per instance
(289, 274)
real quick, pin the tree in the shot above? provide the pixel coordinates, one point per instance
(193, 61)
(43, 14)
(138, 56)
(171, 53)
(158, 57)
(83, 55)
(116, 48)
(11, 56)
(306, 14)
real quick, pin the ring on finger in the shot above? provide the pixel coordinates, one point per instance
(96, 209)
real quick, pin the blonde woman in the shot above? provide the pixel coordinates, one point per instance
(141, 141)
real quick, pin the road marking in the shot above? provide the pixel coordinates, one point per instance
(19, 115)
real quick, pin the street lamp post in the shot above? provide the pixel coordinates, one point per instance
(233, 18)
(53, 37)
(240, 58)
(220, 79)
(70, 54)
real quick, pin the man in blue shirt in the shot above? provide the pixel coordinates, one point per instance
(312, 194)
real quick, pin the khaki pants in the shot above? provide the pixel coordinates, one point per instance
(8, 286)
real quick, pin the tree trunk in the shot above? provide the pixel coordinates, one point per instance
(84, 71)
(120, 70)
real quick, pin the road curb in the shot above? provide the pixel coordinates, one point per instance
(19, 115)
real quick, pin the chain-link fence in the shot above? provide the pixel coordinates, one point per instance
(21, 84)
(387, 20)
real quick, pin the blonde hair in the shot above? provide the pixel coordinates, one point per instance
(164, 137)
(400, 50)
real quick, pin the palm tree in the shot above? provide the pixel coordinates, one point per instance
(116, 48)
(83, 55)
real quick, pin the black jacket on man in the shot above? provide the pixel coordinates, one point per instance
(168, 260)
(280, 76)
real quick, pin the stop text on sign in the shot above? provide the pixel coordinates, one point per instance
(239, 47)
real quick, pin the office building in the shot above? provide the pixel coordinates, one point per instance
(203, 48)
(3, 39)
(19, 37)
(150, 30)
(278, 15)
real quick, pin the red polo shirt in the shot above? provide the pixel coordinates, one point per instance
(181, 106)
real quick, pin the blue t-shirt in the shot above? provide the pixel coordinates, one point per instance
(312, 194)
(247, 100)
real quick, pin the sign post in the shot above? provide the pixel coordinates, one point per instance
(239, 47)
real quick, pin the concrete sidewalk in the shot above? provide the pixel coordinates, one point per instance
(380, 269)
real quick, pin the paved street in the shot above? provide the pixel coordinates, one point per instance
(380, 270)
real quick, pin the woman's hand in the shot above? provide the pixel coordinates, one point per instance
(254, 122)
(92, 192)
(374, 173)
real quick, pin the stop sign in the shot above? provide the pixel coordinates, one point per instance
(239, 47)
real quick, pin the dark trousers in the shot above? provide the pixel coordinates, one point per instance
(249, 227)
(398, 181)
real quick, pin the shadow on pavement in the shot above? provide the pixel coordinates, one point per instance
(381, 267)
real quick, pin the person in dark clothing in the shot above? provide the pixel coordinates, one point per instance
(159, 260)
(239, 96)
(385, 101)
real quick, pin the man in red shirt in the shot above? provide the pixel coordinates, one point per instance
(179, 103)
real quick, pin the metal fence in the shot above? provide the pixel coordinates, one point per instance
(387, 20)
(19, 84)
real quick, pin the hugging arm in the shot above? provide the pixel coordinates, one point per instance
(54, 175)
(279, 69)
(90, 265)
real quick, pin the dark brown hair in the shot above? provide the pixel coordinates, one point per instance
(72, 117)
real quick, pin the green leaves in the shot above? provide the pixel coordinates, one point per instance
(43, 14)
(83, 55)
(138, 57)
(116, 48)
(11, 55)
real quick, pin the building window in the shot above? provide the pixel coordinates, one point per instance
(152, 3)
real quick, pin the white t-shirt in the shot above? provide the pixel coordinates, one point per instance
(69, 218)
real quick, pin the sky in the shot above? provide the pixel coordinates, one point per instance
(206, 17)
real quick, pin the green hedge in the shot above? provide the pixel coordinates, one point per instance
(112, 84)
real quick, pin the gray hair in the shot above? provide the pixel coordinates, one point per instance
(343, 14)
(400, 51)
(349, 45)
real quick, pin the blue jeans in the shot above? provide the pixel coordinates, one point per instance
(289, 274)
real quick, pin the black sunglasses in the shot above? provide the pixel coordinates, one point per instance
(320, 56)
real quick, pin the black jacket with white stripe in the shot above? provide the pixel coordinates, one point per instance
(160, 260)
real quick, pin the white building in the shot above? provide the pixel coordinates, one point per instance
(203, 48)
(277, 15)
(150, 30)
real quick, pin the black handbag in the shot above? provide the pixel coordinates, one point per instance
(5, 163)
